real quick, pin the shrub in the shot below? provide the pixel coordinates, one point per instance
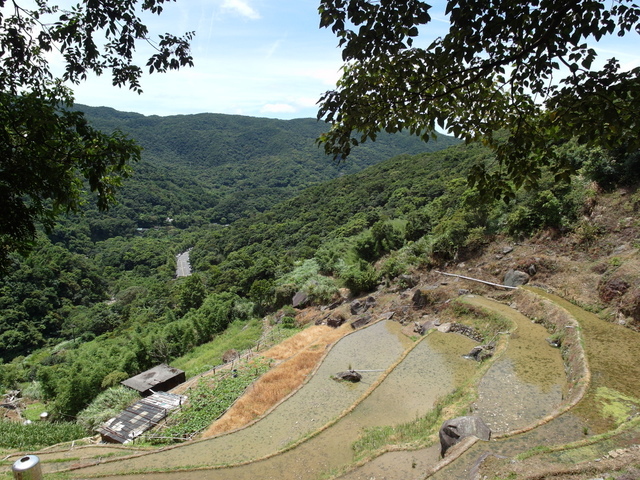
(360, 277)
(106, 405)
(288, 322)
(305, 277)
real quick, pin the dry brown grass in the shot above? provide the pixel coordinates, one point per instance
(299, 356)
(298, 342)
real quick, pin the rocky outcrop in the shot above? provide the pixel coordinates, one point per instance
(457, 429)
(300, 300)
(515, 278)
(359, 306)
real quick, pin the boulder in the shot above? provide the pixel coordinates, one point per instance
(419, 299)
(480, 353)
(348, 376)
(361, 322)
(444, 328)
(358, 306)
(387, 315)
(370, 302)
(335, 321)
(300, 299)
(457, 429)
(515, 278)
(408, 281)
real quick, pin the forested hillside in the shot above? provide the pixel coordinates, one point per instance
(214, 168)
(100, 289)
(97, 300)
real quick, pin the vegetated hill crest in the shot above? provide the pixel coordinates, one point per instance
(232, 165)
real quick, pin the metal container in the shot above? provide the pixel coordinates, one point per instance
(27, 468)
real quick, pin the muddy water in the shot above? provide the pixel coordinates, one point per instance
(527, 382)
(315, 404)
(432, 369)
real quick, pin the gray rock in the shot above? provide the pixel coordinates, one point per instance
(419, 299)
(370, 302)
(515, 278)
(457, 429)
(358, 306)
(387, 315)
(348, 376)
(300, 299)
(361, 322)
(408, 281)
(335, 321)
(444, 328)
(480, 353)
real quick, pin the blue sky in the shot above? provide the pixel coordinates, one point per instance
(263, 58)
(252, 57)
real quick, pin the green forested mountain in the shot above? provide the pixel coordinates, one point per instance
(218, 168)
(103, 282)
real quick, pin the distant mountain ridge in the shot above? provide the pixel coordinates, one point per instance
(231, 166)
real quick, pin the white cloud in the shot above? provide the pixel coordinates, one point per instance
(307, 102)
(241, 7)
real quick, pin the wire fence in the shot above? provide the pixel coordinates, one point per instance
(268, 339)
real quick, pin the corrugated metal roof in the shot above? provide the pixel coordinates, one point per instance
(140, 417)
(152, 377)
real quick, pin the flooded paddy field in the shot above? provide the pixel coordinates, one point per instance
(430, 370)
(527, 382)
(319, 401)
(523, 385)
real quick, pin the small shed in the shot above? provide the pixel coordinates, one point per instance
(139, 417)
(160, 378)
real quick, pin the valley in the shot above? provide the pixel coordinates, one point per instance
(101, 299)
